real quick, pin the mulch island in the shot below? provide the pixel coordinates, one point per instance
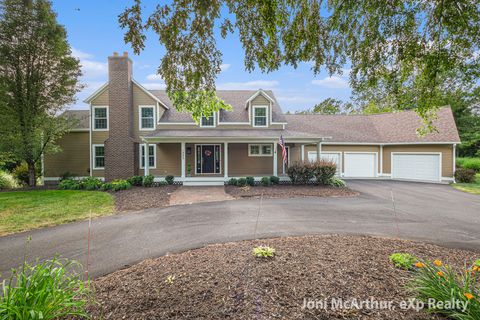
(138, 198)
(289, 191)
(225, 281)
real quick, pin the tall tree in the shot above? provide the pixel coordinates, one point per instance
(331, 106)
(402, 46)
(38, 78)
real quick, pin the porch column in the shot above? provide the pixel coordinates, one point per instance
(302, 151)
(319, 150)
(225, 159)
(182, 159)
(275, 162)
(146, 158)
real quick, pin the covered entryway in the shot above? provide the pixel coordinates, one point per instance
(416, 166)
(360, 164)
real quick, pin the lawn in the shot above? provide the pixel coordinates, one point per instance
(469, 187)
(25, 210)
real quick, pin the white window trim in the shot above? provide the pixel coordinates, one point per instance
(266, 116)
(94, 155)
(154, 155)
(93, 118)
(261, 154)
(214, 115)
(140, 117)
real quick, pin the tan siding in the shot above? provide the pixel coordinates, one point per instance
(72, 158)
(240, 164)
(140, 98)
(101, 100)
(168, 160)
(99, 137)
(446, 150)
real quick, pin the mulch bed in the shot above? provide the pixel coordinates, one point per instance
(225, 281)
(138, 198)
(289, 191)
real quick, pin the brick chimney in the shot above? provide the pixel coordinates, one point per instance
(120, 145)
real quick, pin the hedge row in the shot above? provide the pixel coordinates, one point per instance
(92, 183)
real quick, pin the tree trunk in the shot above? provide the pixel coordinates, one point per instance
(32, 179)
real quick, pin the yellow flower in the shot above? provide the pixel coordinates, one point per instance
(440, 274)
(438, 263)
(419, 265)
(468, 295)
(476, 268)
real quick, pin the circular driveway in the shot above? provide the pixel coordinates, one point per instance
(428, 212)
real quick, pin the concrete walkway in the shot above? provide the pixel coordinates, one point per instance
(189, 195)
(426, 212)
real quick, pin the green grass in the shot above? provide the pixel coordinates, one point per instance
(469, 187)
(25, 210)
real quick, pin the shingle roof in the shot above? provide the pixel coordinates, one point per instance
(379, 128)
(82, 117)
(235, 98)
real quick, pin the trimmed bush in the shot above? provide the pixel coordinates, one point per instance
(465, 175)
(266, 182)
(136, 181)
(107, 186)
(163, 183)
(7, 181)
(336, 182)
(70, 184)
(120, 184)
(250, 181)
(469, 163)
(91, 183)
(169, 179)
(274, 180)
(147, 181)
(233, 182)
(300, 172)
(241, 182)
(324, 171)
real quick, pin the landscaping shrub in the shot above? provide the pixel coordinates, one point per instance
(250, 181)
(469, 163)
(465, 175)
(241, 182)
(49, 290)
(163, 183)
(337, 182)
(107, 186)
(233, 181)
(70, 184)
(91, 183)
(147, 181)
(120, 184)
(274, 180)
(263, 252)
(402, 260)
(136, 181)
(324, 171)
(7, 181)
(300, 172)
(169, 179)
(435, 280)
(265, 181)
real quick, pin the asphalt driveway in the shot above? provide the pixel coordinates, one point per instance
(427, 212)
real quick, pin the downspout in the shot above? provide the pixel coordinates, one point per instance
(454, 161)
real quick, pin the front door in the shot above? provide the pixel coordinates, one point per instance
(208, 159)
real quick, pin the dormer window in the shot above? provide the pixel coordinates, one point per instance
(260, 116)
(147, 117)
(208, 121)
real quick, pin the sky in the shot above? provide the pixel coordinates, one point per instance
(94, 34)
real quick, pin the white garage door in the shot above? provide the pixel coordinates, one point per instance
(327, 156)
(360, 165)
(412, 166)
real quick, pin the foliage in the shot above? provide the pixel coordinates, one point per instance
(67, 175)
(91, 183)
(331, 106)
(48, 290)
(337, 182)
(70, 184)
(438, 281)
(8, 161)
(169, 179)
(241, 182)
(300, 172)
(136, 181)
(263, 252)
(21, 173)
(250, 181)
(469, 163)
(38, 79)
(163, 183)
(465, 175)
(265, 181)
(233, 182)
(107, 186)
(120, 184)
(274, 180)
(7, 181)
(147, 181)
(402, 260)
(324, 171)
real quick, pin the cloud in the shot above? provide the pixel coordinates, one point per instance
(154, 85)
(225, 66)
(333, 82)
(91, 69)
(249, 85)
(80, 54)
(154, 77)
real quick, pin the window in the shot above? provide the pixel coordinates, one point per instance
(152, 156)
(147, 117)
(98, 156)
(260, 150)
(208, 121)
(100, 118)
(259, 116)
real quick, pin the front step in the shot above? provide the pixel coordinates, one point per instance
(203, 183)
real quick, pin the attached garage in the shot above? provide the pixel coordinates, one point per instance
(360, 164)
(416, 166)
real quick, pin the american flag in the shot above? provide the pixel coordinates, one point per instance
(284, 150)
